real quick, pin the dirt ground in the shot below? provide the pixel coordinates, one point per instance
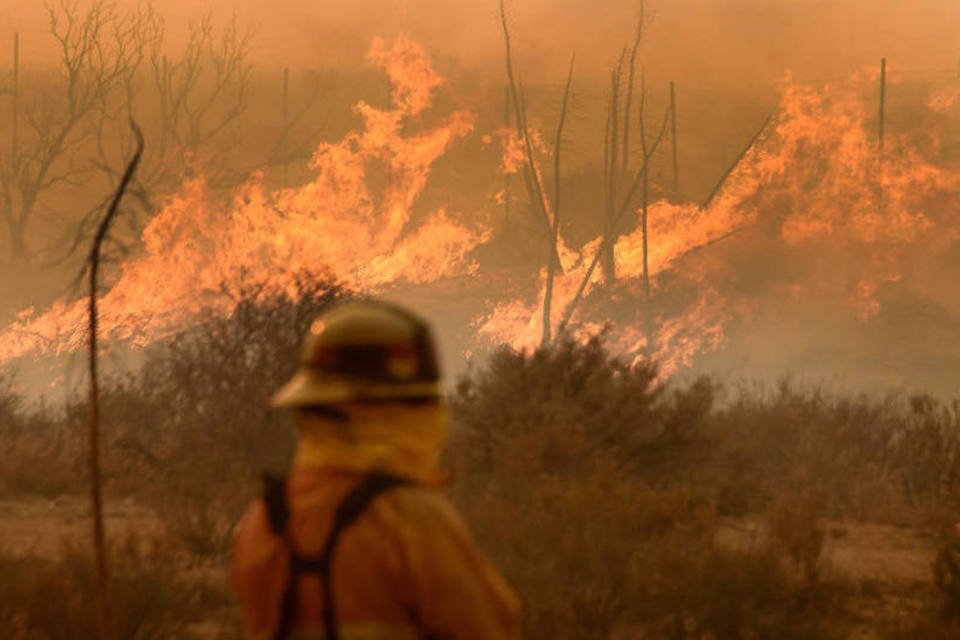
(859, 551)
(897, 557)
(40, 527)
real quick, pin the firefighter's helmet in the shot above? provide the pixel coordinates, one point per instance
(364, 351)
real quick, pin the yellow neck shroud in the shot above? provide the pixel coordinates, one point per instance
(398, 438)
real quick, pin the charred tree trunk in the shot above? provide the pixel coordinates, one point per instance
(534, 183)
(286, 124)
(15, 117)
(883, 101)
(644, 206)
(507, 177)
(547, 336)
(612, 168)
(675, 187)
(624, 208)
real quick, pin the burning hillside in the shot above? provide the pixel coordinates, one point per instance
(815, 217)
(201, 253)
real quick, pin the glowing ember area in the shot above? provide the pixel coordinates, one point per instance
(815, 192)
(945, 99)
(200, 253)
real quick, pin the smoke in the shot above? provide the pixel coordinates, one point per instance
(693, 41)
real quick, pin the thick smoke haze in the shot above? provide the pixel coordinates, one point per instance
(724, 41)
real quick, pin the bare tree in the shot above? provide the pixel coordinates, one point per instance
(97, 50)
(292, 145)
(555, 228)
(617, 145)
(194, 97)
(203, 91)
(608, 241)
(532, 173)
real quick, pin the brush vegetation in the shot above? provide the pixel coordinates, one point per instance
(610, 499)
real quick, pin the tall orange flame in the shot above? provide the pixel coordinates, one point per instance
(198, 251)
(816, 190)
(816, 184)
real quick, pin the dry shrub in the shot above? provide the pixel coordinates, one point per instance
(794, 530)
(946, 574)
(790, 440)
(586, 504)
(192, 432)
(55, 599)
(41, 456)
(39, 464)
(598, 554)
(925, 450)
(616, 407)
(596, 488)
(880, 459)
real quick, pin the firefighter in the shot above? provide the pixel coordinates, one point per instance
(358, 541)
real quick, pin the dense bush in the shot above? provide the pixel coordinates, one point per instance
(40, 455)
(579, 484)
(602, 493)
(194, 430)
(188, 434)
(568, 396)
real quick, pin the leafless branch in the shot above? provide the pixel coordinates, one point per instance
(534, 183)
(104, 612)
(578, 296)
(555, 229)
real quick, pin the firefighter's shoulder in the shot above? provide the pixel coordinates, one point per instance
(458, 592)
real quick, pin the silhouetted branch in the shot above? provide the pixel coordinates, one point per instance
(555, 233)
(104, 612)
(736, 163)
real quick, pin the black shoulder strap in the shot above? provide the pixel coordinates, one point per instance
(275, 499)
(352, 507)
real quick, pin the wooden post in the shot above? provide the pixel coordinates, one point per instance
(673, 140)
(883, 98)
(286, 124)
(15, 122)
(508, 121)
(647, 325)
(165, 100)
(612, 153)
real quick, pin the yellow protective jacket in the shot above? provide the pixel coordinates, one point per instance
(407, 568)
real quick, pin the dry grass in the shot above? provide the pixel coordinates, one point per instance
(154, 597)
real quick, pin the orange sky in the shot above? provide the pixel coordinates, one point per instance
(692, 40)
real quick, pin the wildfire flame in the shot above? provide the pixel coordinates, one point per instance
(816, 184)
(944, 99)
(198, 249)
(816, 194)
